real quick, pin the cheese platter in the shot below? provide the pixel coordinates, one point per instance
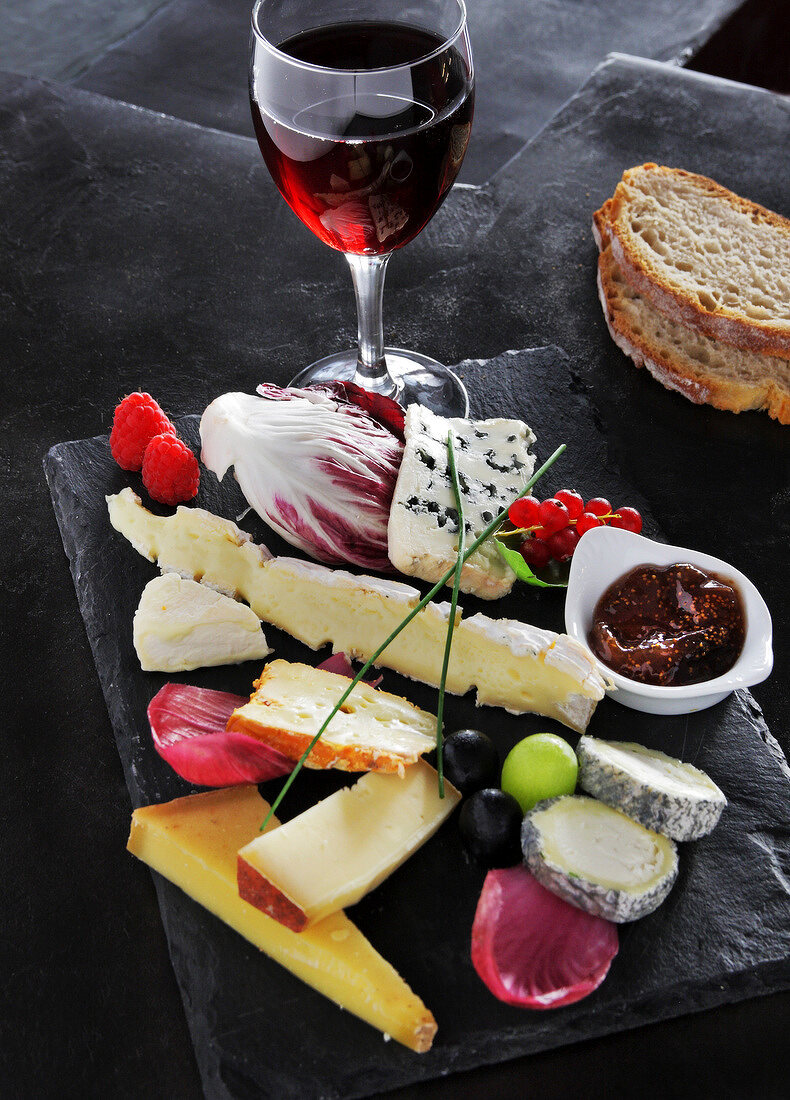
(667, 963)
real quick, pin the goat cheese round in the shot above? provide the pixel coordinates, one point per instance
(597, 858)
(657, 790)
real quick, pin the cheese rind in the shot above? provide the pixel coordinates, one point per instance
(493, 463)
(657, 790)
(333, 854)
(180, 625)
(193, 841)
(511, 664)
(597, 858)
(372, 731)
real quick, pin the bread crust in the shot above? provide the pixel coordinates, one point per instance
(670, 365)
(724, 323)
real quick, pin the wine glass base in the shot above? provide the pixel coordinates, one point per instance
(416, 378)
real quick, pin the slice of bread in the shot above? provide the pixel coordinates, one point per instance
(372, 731)
(684, 359)
(703, 256)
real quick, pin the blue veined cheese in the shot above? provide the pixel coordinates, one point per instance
(657, 790)
(493, 463)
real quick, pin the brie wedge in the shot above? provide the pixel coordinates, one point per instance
(180, 624)
(333, 854)
(511, 664)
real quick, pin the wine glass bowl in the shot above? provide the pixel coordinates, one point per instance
(363, 120)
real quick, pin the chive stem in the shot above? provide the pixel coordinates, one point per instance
(459, 564)
(403, 624)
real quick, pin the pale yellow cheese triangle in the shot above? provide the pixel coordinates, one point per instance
(193, 841)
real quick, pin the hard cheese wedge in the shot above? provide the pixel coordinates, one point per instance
(193, 841)
(334, 853)
(180, 624)
(372, 731)
(493, 463)
(511, 664)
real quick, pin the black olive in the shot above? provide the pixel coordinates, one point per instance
(490, 827)
(471, 761)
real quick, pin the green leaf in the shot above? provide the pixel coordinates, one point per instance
(521, 569)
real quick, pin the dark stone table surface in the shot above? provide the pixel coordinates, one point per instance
(190, 60)
(109, 281)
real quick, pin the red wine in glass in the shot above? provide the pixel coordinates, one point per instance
(365, 170)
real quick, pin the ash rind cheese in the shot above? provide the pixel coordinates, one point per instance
(493, 464)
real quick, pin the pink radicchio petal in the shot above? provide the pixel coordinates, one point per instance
(385, 410)
(188, 728)
(341, 666)
(533, 949)
(314, 464)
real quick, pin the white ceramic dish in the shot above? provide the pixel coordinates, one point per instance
(606, 553)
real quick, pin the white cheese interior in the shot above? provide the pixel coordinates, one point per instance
(656, 769)
(589, 839)
(333, 854)
(299, 698)
(180, 625)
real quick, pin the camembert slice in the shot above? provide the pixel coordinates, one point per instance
(511, 664)
(372, 731)
(180, 625)
(193, 841)
(333, 854)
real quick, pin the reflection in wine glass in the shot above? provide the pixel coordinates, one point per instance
(363, 120)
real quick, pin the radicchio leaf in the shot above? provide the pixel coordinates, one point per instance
(341, 666)
(188, 728)
(313, 463)
(534, 950)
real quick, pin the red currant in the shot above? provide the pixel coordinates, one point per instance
(524, 512)
(586, 522)
(599, 506)
(562, 543)
(628, 519)
(572, 501)
(535, 553)
(553, 515)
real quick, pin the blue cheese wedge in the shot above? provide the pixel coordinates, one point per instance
(511, 664)
(493, 464)
(597, 858)
(657, 790)
(180, 625)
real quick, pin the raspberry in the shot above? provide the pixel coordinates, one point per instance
(138, 418)
(170, 470)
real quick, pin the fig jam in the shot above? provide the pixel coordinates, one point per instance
(669, 625)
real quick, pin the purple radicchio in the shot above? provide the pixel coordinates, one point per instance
(318, 464)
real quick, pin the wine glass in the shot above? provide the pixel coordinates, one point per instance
(363, 118)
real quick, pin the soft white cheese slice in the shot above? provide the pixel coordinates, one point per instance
(493, 463)
(511, 664)
(180, 624)
(333, 854)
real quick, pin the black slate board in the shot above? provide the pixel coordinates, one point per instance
(723, 934)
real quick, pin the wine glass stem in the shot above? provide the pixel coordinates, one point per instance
(367, 273)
